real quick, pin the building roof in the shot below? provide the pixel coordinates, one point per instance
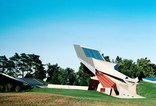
(28, 81)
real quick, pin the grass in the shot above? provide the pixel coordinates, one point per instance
(147, 90)
(48, 96)
(72, 92)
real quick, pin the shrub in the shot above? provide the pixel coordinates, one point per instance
(8, 87)
(17, 88)
(1, 88)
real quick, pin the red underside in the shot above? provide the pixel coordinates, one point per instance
(104, 80)
(93, 84)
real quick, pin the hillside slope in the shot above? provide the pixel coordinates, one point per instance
(48, 96)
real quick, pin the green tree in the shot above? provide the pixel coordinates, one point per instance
(50, 71)
(20, 63)
(23, 64)
(106, 58)
(144, 66)
(55, 77)
(36, 66)
(154, 67)
(126, 66)
(62, 77)
(40, 72)
(16, 60)
(10, 68)
(118, 59)
(70, 76)
(3, 64)
(28, 65)
(81, 77)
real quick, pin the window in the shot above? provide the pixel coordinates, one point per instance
(92, 53)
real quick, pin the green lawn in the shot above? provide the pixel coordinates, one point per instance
(72, 92)
(145, 89)
(54, 97)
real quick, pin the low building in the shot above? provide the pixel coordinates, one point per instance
(23, 83)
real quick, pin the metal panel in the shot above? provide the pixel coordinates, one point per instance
(81, 55)
(90, 67)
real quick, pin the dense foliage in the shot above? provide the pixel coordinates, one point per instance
(30, 66)
(68, 76)
(142, 68)
(25, 65)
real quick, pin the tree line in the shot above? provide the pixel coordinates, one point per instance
(142, 67)
(30, 66)
(25, 65)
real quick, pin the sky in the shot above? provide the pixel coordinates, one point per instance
(49, 28)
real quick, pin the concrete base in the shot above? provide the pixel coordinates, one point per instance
(149, 81)
(67, 87)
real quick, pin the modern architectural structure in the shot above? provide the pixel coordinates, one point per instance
(107, 78)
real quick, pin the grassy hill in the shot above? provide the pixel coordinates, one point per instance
(147, 90)
(42, 96)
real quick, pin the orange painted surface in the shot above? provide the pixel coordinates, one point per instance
(104, 80)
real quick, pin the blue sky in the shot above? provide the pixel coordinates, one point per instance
(49, 28)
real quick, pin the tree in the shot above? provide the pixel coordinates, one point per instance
(145, 67)
(154, 67)
(24, 67)
(81, 78)
(118, 59)
(3, 64)
(16, 60)
(50, 71)
(10, 68)
(40, 72)
(55, 77)
(20, 62)
(126, 67)
(70, 76)
(35, 64)
(62, 77)
(28, 65)
(7, 66)
(106, 58)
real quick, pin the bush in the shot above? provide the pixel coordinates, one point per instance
(1, 88)
(17, 88)
(8, 87)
